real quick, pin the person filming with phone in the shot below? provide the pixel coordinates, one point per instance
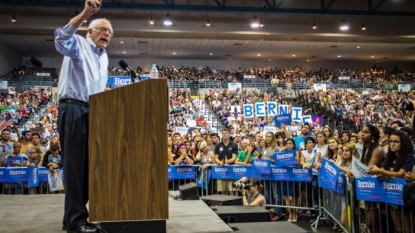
(251, 191)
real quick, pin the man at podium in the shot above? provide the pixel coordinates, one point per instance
(83, 73)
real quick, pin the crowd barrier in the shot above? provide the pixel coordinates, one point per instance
(362, 204)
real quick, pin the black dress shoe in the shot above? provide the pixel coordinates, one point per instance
(87, 228)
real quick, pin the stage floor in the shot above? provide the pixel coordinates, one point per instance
(43, 214)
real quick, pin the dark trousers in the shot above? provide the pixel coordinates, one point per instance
(73, 133)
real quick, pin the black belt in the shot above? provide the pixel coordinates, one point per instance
(86, 104)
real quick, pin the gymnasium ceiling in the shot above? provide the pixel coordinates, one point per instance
(287, 32)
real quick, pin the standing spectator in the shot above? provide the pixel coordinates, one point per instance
(225, 154)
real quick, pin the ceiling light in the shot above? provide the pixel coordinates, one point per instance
(122, 42)
(151, 21)
(372, 57)
(14, 20)
(363, 27)
(293, 55)
(344, 27)
(259, 55)
(255, 23)
(208, 23)
(358, 47)
(308, 60)
(124, 52)
(167, 21)
(339, 56)
(210, 54)
(174, 53)
(261, 24)
(269, 59)
(314, 26)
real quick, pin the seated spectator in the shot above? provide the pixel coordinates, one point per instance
(16, 159)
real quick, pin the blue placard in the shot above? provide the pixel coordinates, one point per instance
(368, 189)
(221, 173)
(340, 186)
(300, 174)
(118, 81)
(17, 159)
(393, 190)
(261, 167)
(2, 175)
(328, 175)
(63, 177)
(203, 179)
(43, 174)
(282, 119)
(181, 172)
(32, 176)
(15, 175)
(285, 159)
(238, 171)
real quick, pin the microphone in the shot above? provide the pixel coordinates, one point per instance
(126, 67)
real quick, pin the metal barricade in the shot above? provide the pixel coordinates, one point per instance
(371, 217)
(175, 182)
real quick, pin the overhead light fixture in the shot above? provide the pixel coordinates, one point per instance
(293, 55)
(122, 42)
(339, 56)
(259, 55)
(308, 60)
(344, 27)
(208, 23)
(261, 24)
(210, 54)
(14, 19)
(167, 21)
(124, 52)
(363, 27)
(358, 47)
(174, 53)
(255, 23)
(314, 26)
(151, 21)
(372, 57)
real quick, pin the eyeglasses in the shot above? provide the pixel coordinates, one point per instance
(394, 142)
(105, 30)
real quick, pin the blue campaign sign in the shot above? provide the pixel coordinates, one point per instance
(203, 179)
(300, 174)
(261, 167)
(43, 174)
(341, 183)
(181, 172)
(2, 175)
(19, 160)
(239, 171)
(285, 159)
(392, 190)
(221, 173)
(277, 174)
(16, 174)
(118, 81)
(328, 175)
(368, 189)
(32, 176)
(282, 119)
(63, 177)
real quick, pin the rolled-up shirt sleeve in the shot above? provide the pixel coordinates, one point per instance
(66, 42)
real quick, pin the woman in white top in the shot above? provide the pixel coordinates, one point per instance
(321, 147)
(331, 153)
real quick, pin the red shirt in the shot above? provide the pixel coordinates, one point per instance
(200, 121)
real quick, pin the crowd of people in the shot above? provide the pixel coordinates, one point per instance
(374, 75)
(28, 134)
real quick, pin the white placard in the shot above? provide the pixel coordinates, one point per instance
(344, 78)
(236, 112)
(358, 168)
(3, 85)
(234, 86)
(248, 110)
(271, 129)
(404, 87)
(249, 76)
(320, 86)
(182, 130)
(43, 74)
(365, 92)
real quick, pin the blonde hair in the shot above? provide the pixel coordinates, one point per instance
(353, 151)
(95, 23)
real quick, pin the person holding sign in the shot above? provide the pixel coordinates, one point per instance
(399, 160)
(16, 159)
(251, 195)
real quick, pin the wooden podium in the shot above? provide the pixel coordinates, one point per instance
(128, 157)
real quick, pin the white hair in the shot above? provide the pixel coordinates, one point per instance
(97, 22)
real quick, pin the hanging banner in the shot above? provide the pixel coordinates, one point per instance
(320, 86)
(261, 167)
(404, 87)
(181, 172)
(234, 86)
(368, 189)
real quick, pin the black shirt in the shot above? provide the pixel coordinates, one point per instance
(225, 151)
